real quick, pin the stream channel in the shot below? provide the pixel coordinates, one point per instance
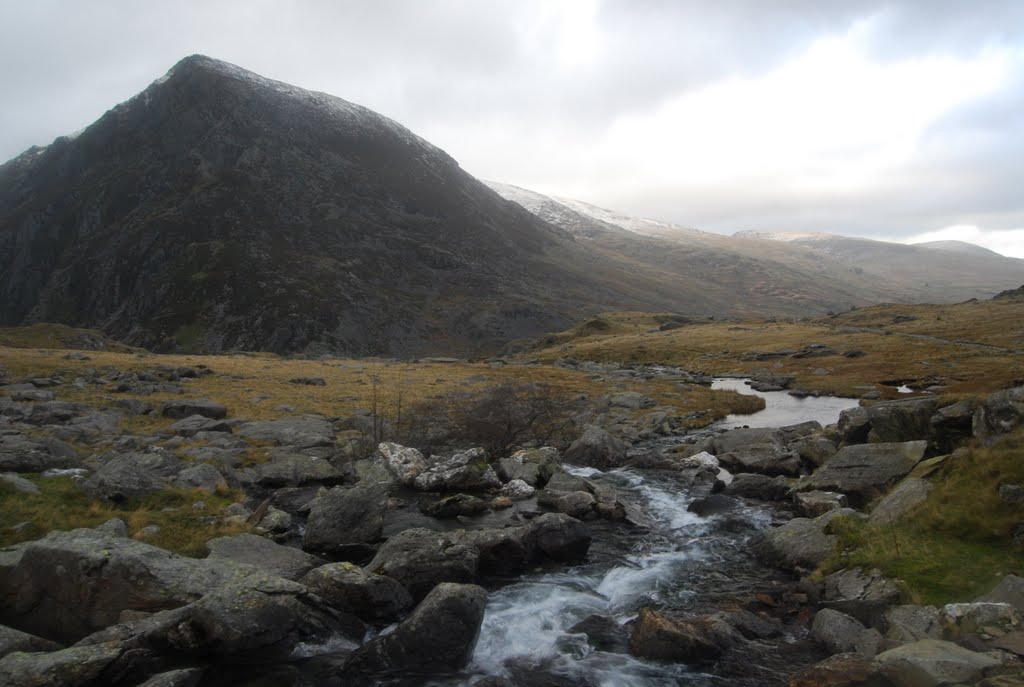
(671, 560)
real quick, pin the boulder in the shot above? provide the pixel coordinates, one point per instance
(517, 489)
(865, 595)
(578, 504)
(604, 633)
(53, 413)
(19, 453)
(202, 476)
(713, 505)
(952, 425)
(69, 584)
(909, 623)
(962, 619)
(863, 472)
(344, 517)
(367, 596)
(440, 635)
(998, 414)
(299, 432)
(1010, 590)
(596, 448)
(761, 487)
(404, 463)
(512, 470)
(133, 475)
(19, 483)
(902, 420)
(77, 666)
(814, 503)
(801, 544)
(564, 481)
(853, 426)
(909, 493)
(457, 505)
(185, 677)
(12, 640)
(193, 424)
(841, 634)
(766, 459)
(814, 449)
(664, 639)
(420, 559)
(465, 471)
(931, 663)
(181, 409)
(296, 469)
(841, 670)
(283, 561)
(632, 400)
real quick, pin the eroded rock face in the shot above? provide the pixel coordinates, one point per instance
(440, 635)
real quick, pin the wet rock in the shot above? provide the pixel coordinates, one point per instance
(404, 463)
(908, 494)
(455, 505)
(865, 595)
(661, 638)
(299, 432)
(901, 420)
(998, 414)
(753, 626)
(909, 623)
(12, 640)
(841, 670)
(283, 561)
(713, 505)
(193, 424)
(440, 635)
(840, 634)
(596, 448)
(344, 517)
(182, 409)
(577, 504)
(604, 633)
(78, 666)
(133, 475)
(761, 487)
(865, 471)
(814, 503)
(420, 559)
(465, 471)
(932, 662)
(366, 595)
(801, 544)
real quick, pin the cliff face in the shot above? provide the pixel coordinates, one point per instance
(218, 209)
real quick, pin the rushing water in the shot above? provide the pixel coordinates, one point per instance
(781, 409)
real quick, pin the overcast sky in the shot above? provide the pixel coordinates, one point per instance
(894, 120)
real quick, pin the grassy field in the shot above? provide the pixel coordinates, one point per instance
(967, 349)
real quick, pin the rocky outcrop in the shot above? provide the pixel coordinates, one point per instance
(664, 639)
(439, 636)
(865, 471)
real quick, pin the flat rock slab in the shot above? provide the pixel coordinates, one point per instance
(301, 431)
(283, 561)
(864, 471)
(909, 493)
(180, 410)
(800, 544)
(932, 663)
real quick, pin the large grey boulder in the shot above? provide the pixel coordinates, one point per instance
(933, 663)
(252, 549)
(952, 425)
(666, 639)
(853, 426)
(440, 635)
(550, 538)
(296, 469)
(180, 409)
(464, 471)
(420, 559)
(367, 596)
(70, 584)
(909, 623)
(346, 516)
(801, 544)
(19, 453)
(909, 493)
(864, 472)
(999, 414)
(865, 595)
(194, 424)
(762, 487)
(840, 634)
(202, 476)
(77, 666)
(133, 475)
(299, 432)
(1010, 590)
(12, 640)
(902, 420)
(533, 466)
(766, 458)
(596, 448)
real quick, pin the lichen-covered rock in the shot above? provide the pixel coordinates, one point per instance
(596, 448)
(364, 594)
(404, 463)
(841, 670)
(801, 544)
(865, 595)
(346, 516)
(299, 432)
(134, 475)
(283, 561)
(932, 663)
(999, 414)
(77, 666)
(420, 559)
(465, 471)
(909, 623)
(181, 409)
(864, 472)
(840, 634)
(901, 420)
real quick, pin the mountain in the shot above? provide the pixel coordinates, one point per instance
(220, 210)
